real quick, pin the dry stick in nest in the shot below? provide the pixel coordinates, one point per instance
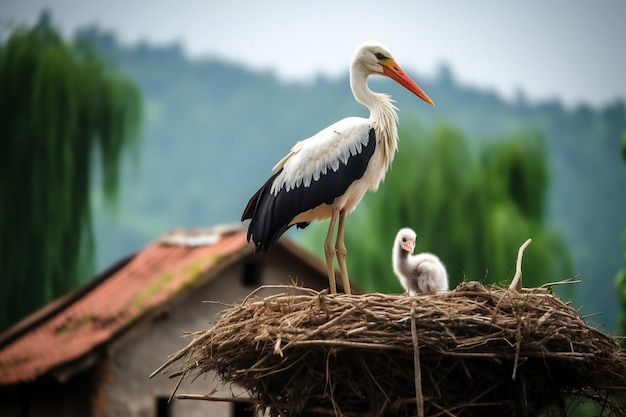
(419, 397)
(516, 284)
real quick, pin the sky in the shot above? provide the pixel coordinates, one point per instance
(572, 50)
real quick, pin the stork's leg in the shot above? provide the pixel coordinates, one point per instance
(342, 253)
(329, 251)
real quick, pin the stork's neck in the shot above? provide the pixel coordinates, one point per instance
(383, 115)
(402, 265)
(402, 257)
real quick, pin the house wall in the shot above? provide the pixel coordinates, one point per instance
(124, 388)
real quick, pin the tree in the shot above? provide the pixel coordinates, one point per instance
(63, 112)
(471, 207)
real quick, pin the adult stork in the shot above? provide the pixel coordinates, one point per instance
(421, 273)
(326, 175)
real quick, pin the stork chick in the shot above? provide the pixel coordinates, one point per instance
(421, 273)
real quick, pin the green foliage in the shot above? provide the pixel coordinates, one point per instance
(472, 209)
(620, 279)
(620, 284)
(61, 107)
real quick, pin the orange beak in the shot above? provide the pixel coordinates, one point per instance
(393, 71)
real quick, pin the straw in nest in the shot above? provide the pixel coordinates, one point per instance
(473, 351)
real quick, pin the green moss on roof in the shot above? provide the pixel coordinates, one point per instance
(189, 276)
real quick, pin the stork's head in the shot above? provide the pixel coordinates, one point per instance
(405, 239)
(373, 58)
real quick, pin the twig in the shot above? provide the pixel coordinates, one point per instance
(180, 380)
(419, 397)
(216, 399)
(518, 344)
(562, 282)
(346, 343)
(516, 284)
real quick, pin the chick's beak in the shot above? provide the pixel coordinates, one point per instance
(408, 245)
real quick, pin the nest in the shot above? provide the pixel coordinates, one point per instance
(474, 351)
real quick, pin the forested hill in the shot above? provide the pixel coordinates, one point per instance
(214, 129)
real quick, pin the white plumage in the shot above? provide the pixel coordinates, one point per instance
(316, 156)
(326, 175)
(421, 273)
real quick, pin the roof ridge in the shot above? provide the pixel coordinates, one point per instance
(192, 237)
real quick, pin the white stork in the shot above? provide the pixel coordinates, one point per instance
(326, 175)
(422, 273)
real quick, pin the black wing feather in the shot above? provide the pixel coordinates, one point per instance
(270, 215)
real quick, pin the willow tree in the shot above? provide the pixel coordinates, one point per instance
(472, 206)
(63, 112)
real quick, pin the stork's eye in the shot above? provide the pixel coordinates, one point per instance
(379, 55)
(404, 239)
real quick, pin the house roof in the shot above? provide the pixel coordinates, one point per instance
(73, 326)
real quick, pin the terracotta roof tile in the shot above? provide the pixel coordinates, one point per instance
(150, 279)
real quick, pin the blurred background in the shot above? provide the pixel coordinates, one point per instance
(125, 120)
